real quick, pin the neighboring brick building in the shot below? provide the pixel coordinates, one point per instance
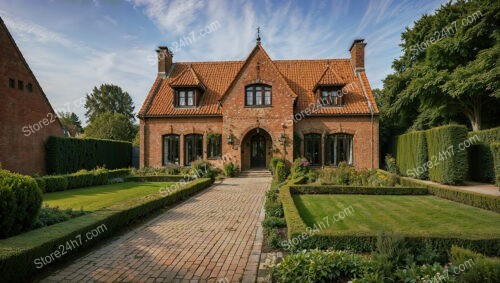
(251, 110)
(26, 117)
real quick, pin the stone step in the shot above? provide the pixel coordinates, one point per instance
(259, 173)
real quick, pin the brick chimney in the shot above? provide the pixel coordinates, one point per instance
(164, 60)
(358, 55)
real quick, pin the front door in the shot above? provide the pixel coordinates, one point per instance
(258, 152)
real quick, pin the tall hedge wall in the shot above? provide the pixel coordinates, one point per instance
(480, 156)
(495, 148)
(448, 162)
(411, 154)
(67, 155)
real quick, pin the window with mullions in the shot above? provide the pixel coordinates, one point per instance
(338, 148)
(312, 148)
(171, 150)
(193, 148)
(214, 146)
(332, 97)
(187, 98)
(258, 95)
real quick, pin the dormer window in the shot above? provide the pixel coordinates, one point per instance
(188, 97)
(332, 96)
(258, 95)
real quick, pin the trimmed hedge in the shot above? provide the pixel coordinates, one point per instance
(158, 178)
(481, 269)
(469, 198)
(20, 202)
(67, 155)
(346, 190)
(17, 254)
(481, 165)
(495, 149)
(54, 183)
(411, 153)
(365, 242)
(449, 162)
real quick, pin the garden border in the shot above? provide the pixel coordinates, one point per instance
(17, 254)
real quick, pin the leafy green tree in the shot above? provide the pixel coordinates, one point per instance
(449, 69)
(70, 122)
(113, 126)
(109, 98)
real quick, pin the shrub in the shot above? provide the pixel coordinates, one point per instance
(203, 169)
(101, 176)
(481, 164)
(82, 178)
(474, 267)
(319, 266)
(274, 222)
(495, 149)
(282, 171)
(272, 164)
(230, 169)
(412, 153)
(55, 183)
(67, 155)
(20, 202)
(300, 167)
(41, 183)
(274, 209)
(390, 164)
(53, 215)
(449, 162)
(118, 173)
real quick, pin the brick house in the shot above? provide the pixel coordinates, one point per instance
(251, 110)
(26, 116)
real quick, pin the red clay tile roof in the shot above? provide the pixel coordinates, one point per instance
(302, 77)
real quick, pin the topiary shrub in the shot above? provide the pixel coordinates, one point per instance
(55, 183)
(272, 164)
(495, 149)
(20, 202)
(282, 171)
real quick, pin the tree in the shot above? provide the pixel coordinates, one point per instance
(113, 126)
(449, 68)
(70, 122)
(108, 98)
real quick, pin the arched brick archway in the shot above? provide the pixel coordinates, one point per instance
(256, 149)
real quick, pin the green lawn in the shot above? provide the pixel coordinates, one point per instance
(94, 198)
(409, 215)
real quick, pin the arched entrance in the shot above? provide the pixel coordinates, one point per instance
(256, 149)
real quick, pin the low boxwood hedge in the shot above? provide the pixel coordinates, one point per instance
(159, 178)
(17, 254)
(55, 183)
(469, 198)
(363, 242)
(318, 189)
(495, 149)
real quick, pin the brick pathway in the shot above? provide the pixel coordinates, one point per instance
(214, 236)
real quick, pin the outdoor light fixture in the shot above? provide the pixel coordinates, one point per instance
(282, 137)
(230, 139)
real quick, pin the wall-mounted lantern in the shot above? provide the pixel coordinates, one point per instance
(230, 138)
(282, 138)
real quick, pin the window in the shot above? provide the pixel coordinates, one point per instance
(187, 97)
(332, 96)
(12, 83)
(258, 95)
(214, 144)
(193, 148)
(338, 148)
(171, 149)
(312, 148)
(29, 87)
(20, 85)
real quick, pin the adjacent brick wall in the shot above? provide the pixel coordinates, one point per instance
(22, 150)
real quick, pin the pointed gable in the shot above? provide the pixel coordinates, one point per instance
(188, 78)
(329, 78)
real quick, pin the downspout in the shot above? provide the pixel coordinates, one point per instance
(371, 115)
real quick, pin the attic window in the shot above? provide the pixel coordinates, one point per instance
(188, 97)
(332, 96)
(258, 95)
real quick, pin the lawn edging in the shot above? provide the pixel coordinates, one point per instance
(307, 238)
(18, 253)
(157, 178)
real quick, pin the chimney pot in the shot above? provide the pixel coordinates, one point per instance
(165, 59)
(358, 55)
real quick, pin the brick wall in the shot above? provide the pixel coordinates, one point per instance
(21, 148)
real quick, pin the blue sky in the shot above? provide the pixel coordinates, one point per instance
(74, 45)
